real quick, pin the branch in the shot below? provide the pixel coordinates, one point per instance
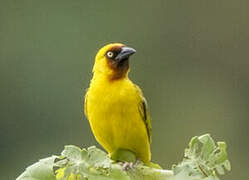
(202, 159)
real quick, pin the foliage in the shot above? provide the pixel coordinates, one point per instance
(202, 159)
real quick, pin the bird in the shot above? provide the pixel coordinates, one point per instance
(116, 107)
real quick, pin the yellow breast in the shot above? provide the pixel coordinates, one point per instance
(113, 113)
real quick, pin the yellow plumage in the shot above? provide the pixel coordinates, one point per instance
(115, 107)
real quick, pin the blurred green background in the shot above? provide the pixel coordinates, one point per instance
(191, 62)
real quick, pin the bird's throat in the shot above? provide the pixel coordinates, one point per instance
(119, 69)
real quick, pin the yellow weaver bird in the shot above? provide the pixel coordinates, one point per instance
(116, 108)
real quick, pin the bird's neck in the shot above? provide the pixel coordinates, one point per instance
(112, 76)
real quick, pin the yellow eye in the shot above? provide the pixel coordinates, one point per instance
(109, 54)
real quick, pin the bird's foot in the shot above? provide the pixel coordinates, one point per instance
(127, 165)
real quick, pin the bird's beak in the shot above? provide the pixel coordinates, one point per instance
(125, 53)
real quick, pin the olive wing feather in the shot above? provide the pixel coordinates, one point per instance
(144, 112)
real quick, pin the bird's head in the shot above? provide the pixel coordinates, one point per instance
(112, 61)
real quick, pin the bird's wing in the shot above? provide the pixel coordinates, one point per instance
(85, 103)
(143, 109)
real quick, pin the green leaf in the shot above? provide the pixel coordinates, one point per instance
(92, 164)
(71, 152)
(202, 158)
(42, 170)
(208, 146)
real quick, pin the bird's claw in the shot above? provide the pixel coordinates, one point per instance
(127, 165)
